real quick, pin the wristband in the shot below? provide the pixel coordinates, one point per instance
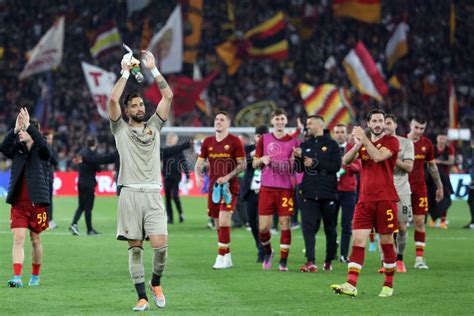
(125, 74)
(155, 72)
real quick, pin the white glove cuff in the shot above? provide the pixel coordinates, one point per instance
(155, 72)
(125, 74)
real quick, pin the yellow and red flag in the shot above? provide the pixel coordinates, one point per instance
(267, 40)
(453, 107)
(368, 11)
(329, 101)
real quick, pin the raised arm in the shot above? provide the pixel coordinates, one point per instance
(113, 107)
(163, 107)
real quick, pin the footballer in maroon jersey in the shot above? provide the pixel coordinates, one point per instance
(377, 207)
(226, 157)
(419, 197)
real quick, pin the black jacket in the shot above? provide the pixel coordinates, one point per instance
(91, 162)
(35, 164)
(319, 180)
(246, 180)
(174, 162)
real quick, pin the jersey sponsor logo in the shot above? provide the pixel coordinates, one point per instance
(219, 155)
(422, 157)
(146, 141)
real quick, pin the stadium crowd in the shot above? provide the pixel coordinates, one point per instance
(314, 35)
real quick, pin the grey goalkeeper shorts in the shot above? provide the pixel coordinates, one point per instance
(140, 214)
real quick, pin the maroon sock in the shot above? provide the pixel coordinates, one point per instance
(420, 243)
(224, 240)
(356, 261)
(389, 258)
(265, 240)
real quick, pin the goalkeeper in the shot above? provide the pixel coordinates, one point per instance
(141, 213)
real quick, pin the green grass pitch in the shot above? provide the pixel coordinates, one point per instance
(89, 275)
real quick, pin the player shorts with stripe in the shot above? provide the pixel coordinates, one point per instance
(27, 215)
(140, 214)
(405, 212)
(419, 202)
(214, 209)
(381, 215)
(276, 201)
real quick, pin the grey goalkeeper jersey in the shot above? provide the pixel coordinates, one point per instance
(400, 177)
(139, 150)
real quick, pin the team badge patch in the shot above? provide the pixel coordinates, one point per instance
(363, 149)
(210, 148)
(324, 148)
(423, 148)
(379, 145)
(226, 147)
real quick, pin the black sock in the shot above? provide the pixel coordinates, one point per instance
(156, 280)
(399, 257)
(140, 288)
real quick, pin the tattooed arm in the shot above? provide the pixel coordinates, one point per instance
(163, 107)
(433, 170)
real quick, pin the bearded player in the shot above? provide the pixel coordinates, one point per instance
(377, 205)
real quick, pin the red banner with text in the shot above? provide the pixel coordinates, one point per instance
(65, 184)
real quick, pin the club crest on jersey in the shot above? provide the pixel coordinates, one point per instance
(379, 145)
(148, 131)
(324, 148)
(226, 147)
(363, 149)
(211, 148)
(423, 148)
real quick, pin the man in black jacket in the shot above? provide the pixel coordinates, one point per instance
(28, 192)
(174, 164)
(249, 188)
(53, 164)
(89, 164)
(320, 159)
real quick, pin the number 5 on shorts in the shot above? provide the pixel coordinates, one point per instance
(389, 215)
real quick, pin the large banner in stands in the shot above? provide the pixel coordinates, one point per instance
(65, 184)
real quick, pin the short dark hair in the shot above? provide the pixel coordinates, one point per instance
(129, 98)
(225, 113)
(91, 141)
(35, 123)
(341, 125)
(261, 129)
(319, 117)
(375, 111)
(278, 112)
(419, 118)
(392, 117)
